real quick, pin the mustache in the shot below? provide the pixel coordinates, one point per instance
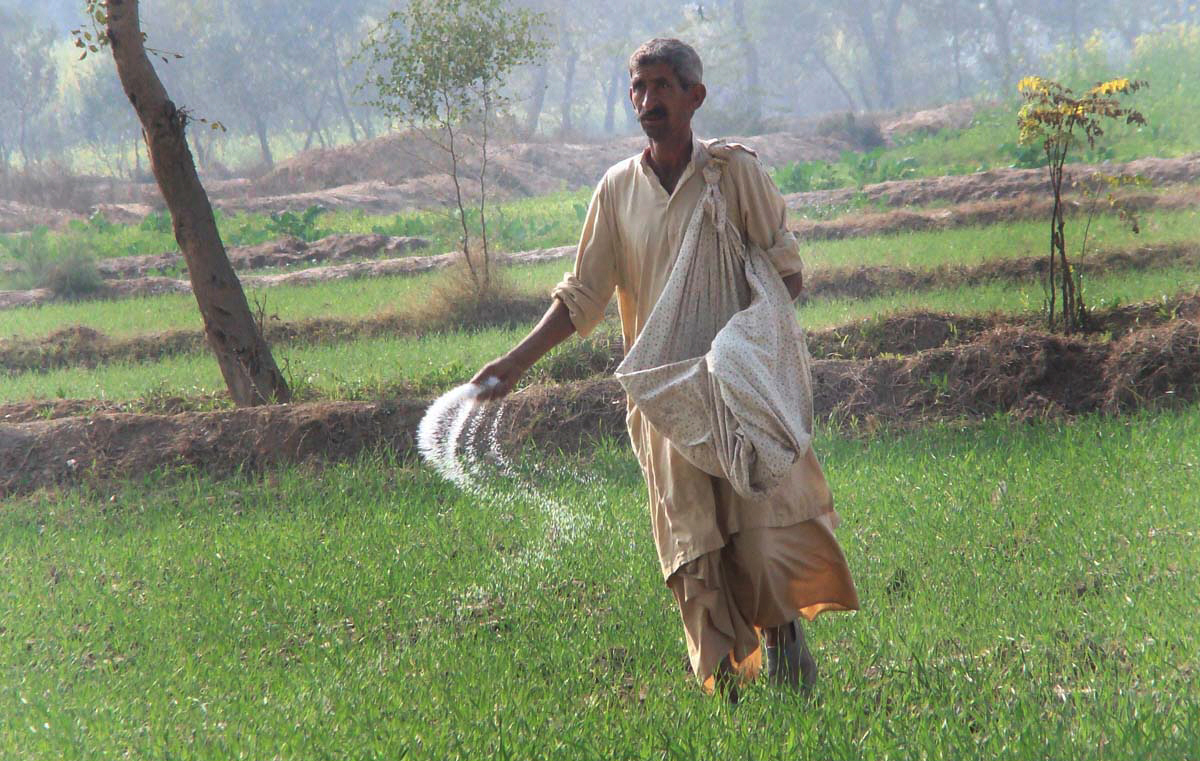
(657, 113)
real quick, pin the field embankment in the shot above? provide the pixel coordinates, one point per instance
(824, 283)
(1026, 206)
(1018, 371)
(996, 183)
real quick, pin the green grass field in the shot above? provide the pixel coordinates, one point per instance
(972, 245)
(347, 299)
(1026, 594)
(519, 225)
(361, 298)
(373, 367)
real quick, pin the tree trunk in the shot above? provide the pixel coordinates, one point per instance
(568, 93)
(242, 353)
(337, 89)
(610, 100)
(537, 99)
(1002, 29)
(753, 115)
(264, 145)
(837, 81)
(880, 47)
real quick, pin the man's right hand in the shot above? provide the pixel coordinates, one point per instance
(554, 328)
(507, 370)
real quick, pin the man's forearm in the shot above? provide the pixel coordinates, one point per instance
(554, 328)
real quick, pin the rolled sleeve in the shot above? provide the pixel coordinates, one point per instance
(587, 291)
(764, 216)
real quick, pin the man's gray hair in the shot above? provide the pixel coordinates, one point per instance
(679, 55)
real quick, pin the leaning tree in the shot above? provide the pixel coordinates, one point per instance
(232, 332)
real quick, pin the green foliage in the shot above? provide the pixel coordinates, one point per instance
(1169, 57)
(1055, 117)
(444, 62)
(157, 222)
(40, 261)
(851, 170)
(302, 225)
(403, 225)
(369, 605)
(28, 81)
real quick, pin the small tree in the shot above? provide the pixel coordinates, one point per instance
(1054, 115)
(439, 67)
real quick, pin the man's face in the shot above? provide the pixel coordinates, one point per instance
(663, 106)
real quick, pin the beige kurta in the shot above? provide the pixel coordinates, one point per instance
(629, 242)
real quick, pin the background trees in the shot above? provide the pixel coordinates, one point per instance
(280, 73)
(28, 78)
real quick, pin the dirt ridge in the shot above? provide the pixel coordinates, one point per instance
(870, 281)
(405, 265)
(980, 213)
(995, 183)
(1024, 373)
(856, 282)
(85, 347)
(285, 252)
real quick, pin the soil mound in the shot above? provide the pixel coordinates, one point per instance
(16, 217)
(993, 184)
(407, 265)
(107, 445)
(1021, 372)
(956, 115)
(519, 168)
(1161, 363)
(284, 252)
(979, 213)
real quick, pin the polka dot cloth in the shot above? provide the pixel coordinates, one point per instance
(721, 367)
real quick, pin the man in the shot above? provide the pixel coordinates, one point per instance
(736, 566)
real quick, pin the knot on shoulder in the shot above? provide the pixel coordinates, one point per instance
(724, 149)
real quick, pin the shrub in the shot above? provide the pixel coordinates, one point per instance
(68, 271)
(73, 275)
(864, 133)
(457, 301)
(851, 170)
(156, 222)
(302, 226)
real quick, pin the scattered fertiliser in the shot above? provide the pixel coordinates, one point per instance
(458, 438)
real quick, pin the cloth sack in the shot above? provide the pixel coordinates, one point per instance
(721, 367)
